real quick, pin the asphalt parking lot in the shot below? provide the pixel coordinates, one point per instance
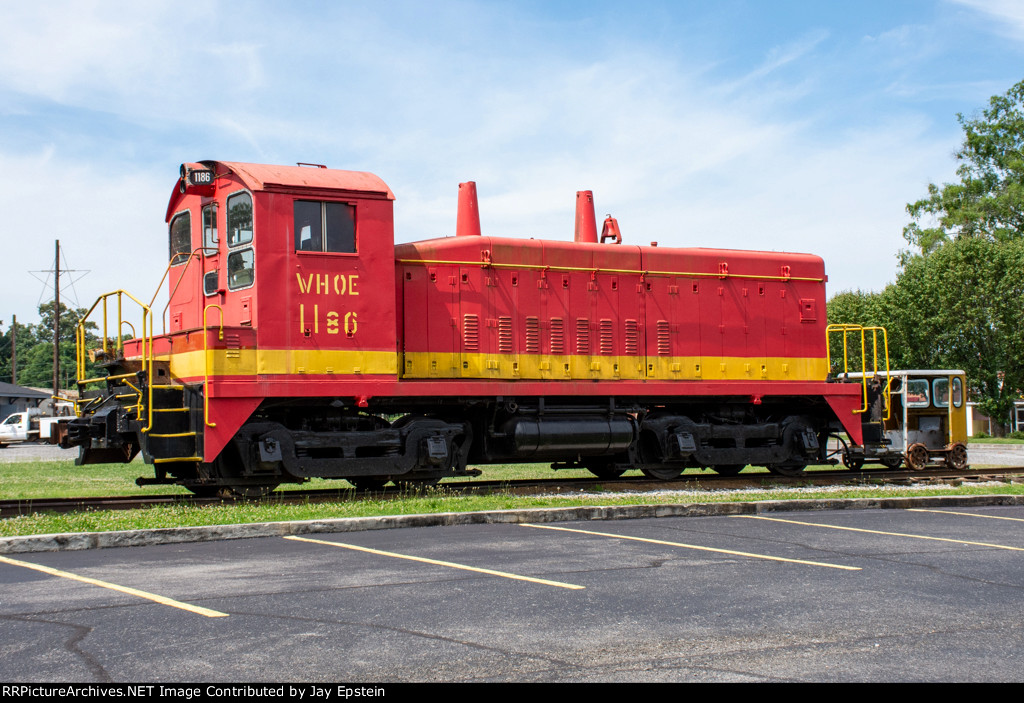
(864, 595)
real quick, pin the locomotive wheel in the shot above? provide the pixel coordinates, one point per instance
(662, 474)
(605, 470)
(224, 475)
(368, 483)
(892, 462)
(853, 463)
(204, 491)
(728, 469)
(957, 457)
(786, 469)
(917, 457)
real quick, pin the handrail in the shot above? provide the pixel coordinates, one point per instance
(170, 265)
(206, 360)
(593, 269)
(847, 328)
(147, 349)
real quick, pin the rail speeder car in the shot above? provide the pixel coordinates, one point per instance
(300, 341)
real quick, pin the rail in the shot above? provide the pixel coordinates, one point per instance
(846, 330)
(118, 343)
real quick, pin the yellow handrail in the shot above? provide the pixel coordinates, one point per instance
(584, 269)
(206, 361)
(846, 329)
(194, 254)
(147, 349)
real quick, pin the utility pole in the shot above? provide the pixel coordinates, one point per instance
(56, 271)
(56, 321)
(14, 351)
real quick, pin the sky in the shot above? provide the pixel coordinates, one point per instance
(744, 124)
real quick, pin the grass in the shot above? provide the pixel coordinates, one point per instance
(995, 440)
(62, 479)
(30, 480)
(432, 501)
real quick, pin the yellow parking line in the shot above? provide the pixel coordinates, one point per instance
(436, 562)
(880, 532)
(954, 512)
(694, 546)
(162, 600)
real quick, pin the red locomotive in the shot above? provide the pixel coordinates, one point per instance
(301, 342)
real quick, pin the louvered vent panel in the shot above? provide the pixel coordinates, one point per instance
(233, 342)
(664, 341)
(607, 344)
(505, 335)
(532, 335)
(557, 335)
(470, 332)
(582, 335)
(632, 338)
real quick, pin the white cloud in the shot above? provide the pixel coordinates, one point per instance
(108, 218)
(1008, 15)
(679, 151)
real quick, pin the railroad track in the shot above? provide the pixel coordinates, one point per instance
(627, 484)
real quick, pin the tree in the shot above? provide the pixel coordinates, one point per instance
(988, 202)
(852, 307)
(958, 299)
(35, 348)
(962, 307)
(25, 340)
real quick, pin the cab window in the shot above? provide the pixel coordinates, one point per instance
(210, 282)
(210, 229)
(239, 219)
(180, 238)
(241, 269)
(917, 393)
(325, 227)
(958, 393)
(940, 392)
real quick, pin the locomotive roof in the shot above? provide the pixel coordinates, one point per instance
(260, 177)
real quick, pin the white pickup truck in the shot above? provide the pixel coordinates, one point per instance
(30, 426)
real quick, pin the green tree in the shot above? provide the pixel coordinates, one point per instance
(958, 301)
(988, 202)
(35, 348)
(962, 306)
(69, 319)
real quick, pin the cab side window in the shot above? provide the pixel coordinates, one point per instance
(210, 229)
(325, 227)
(917, 393)
(241, 269)
(241, 262)
(181, 238)
(239, 219)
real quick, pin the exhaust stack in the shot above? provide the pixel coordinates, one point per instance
(586, 221)
(467, 223)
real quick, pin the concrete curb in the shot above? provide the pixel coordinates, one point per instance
(210, 533)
